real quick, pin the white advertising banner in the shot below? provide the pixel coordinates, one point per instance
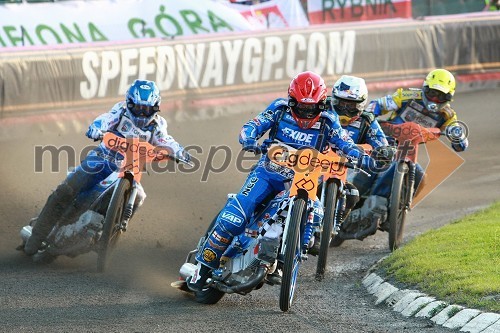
(71, 22)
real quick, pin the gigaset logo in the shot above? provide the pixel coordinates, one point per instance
(145, 150)
(305, 160)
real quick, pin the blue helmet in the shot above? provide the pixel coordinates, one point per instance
(142, 101)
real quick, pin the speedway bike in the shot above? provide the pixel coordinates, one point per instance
(277, 236)
(408, 136)
(332, 195)
(104, 211)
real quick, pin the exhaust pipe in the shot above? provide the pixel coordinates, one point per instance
(249, 285)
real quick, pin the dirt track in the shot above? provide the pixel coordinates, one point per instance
(135, 295)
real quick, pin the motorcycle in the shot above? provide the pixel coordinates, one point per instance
(277, 236)
(405, 139)
(98, 217)
(408, 136)
(332, 195)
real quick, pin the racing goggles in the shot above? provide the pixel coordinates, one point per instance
(139, 110)
(436, 96)
(306, 111)
(345, 107)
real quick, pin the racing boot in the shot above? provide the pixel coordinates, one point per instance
(199, 278)
(51, 212)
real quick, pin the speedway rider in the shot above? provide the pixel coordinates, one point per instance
(137, 116)
(298, 121)
(428, 106)
(348, 100)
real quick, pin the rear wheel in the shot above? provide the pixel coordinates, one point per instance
(327, 226)
(398, 206)
(292, 255)
(110, 229)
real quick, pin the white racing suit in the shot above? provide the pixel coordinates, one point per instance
(97, 166)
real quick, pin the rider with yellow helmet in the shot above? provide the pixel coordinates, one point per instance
(428, 106)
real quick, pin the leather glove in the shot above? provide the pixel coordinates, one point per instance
(183, 155)
(383, 155)
(367, 163)
(252, 146)
(94, 133)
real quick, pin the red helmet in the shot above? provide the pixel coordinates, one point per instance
(307, 98)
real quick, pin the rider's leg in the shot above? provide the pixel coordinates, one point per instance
(230, 222)
(82, 178)
(374, 209)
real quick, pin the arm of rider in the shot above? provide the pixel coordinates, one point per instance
(183, 155)
(103, 122)
(161, 138)
(385, 104)
(253, 129)
(94, 132)
(250, 145)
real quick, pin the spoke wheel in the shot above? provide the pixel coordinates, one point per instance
(110, 229)
(398, 207)
(292, 255)
(327, 226)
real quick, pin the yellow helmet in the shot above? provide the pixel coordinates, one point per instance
(438, 89)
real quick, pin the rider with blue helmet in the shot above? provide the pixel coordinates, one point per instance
(136, 117)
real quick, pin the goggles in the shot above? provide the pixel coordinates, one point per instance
(306, 111)
(142, 110)
(346, 107)
(436, 96)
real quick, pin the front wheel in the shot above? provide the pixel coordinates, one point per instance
(110, 229)
(292, 255)
(398, 206)
(208, 296)
(327, 226)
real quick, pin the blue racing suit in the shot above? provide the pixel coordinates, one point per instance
(268, 178)
(365, 129)
(407, 105)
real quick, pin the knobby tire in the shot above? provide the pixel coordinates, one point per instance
(292, 254)
(398, 206)
(327, 227)
(110, 232)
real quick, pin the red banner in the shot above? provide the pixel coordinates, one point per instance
(331, 11)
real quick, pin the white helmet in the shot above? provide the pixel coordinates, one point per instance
(349, 98)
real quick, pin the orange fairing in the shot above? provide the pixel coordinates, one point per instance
(136, 153)
(308, 165)
(409, 135)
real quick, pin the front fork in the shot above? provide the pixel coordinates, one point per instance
(411, 184)
(128, 210)
(339, 208)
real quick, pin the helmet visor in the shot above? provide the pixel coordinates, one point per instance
(436, 96)
(142, 110)
(307, 111)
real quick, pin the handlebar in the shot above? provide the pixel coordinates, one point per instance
(152, 153)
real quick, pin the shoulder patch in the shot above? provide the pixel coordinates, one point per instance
(411, 93)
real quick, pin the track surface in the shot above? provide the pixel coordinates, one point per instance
(135, 295)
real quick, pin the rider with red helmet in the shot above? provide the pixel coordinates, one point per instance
(300, 120)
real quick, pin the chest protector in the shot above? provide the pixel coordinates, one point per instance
(129, 130)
